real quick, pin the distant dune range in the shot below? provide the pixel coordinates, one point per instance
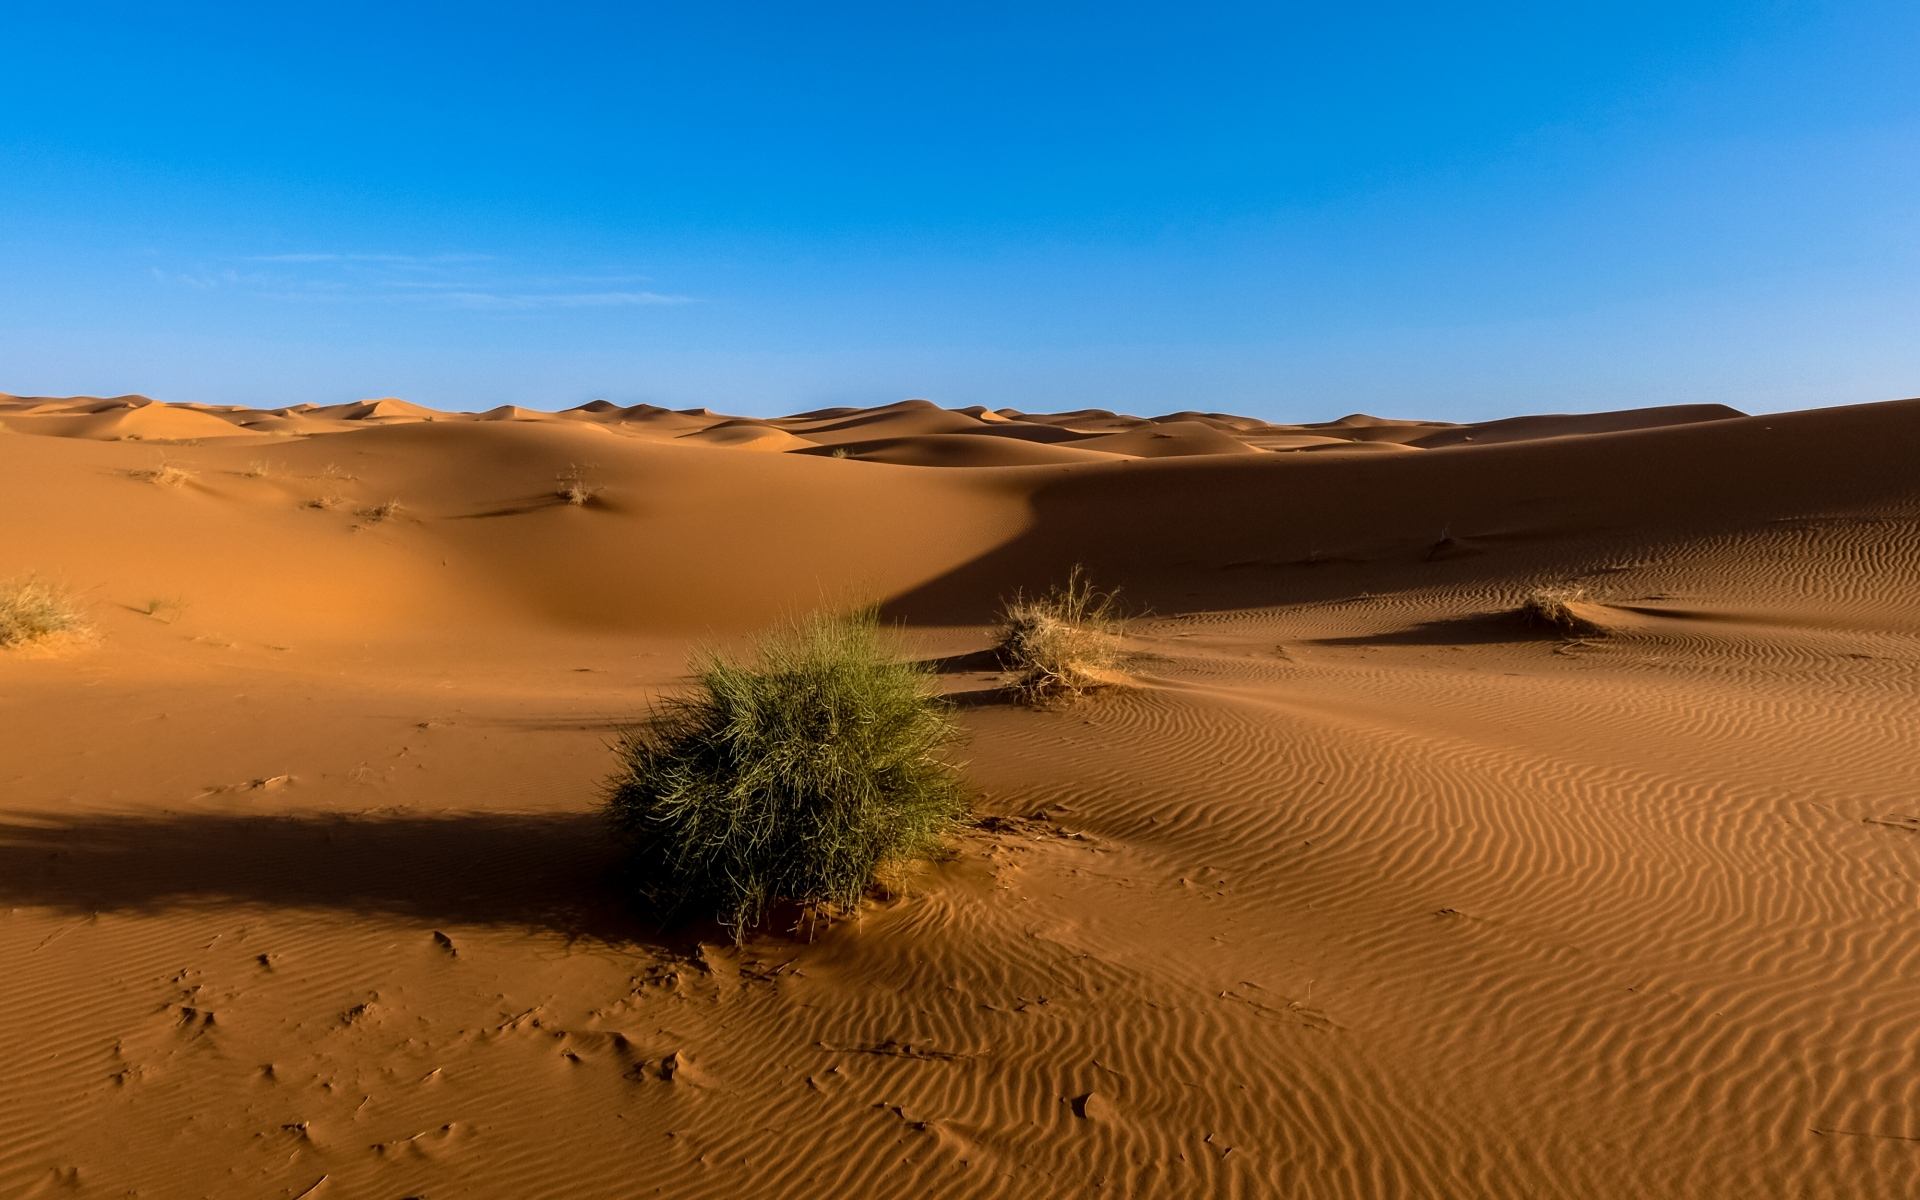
(1359, 886)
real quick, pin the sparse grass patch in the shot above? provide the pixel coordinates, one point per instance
(32, 609)
(1554, 607)
(1059, 645)
(574, 487)
(384, 511)
(797, 776)
(165, 474)
(257, 470)
(839, 452)
(330, 500)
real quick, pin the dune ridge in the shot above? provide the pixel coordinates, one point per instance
(902, 433)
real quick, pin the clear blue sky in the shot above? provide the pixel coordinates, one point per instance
(1291, 211)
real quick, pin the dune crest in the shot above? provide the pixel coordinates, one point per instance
(901, 433)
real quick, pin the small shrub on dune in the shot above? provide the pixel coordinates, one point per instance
(1556, 608)
(798, 776)
(32, 609)
(575, 489)
(385, 511)
(1060, 644)
(166, 474)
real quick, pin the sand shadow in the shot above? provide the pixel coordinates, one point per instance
(965, 663)
(543, 502)
(530, 504)
(609, 725)
(1475, 629)
(972, 662)
(993, 696)
(535, 871)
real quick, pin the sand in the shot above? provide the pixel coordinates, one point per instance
(1356, 886)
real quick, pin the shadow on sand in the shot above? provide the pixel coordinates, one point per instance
(1473, 630)
(540, 872)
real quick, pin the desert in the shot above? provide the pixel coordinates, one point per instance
(1515, 807)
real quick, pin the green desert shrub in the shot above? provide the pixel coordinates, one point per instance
(798, 775)
(1060, 643)
(32, 609)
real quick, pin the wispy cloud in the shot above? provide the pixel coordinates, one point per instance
(460, 281)
(337, 257)
(529, 300)
(206, 279)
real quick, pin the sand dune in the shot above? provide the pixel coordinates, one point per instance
(1361, 886)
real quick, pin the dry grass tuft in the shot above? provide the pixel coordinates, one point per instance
(385, 511)
(1063, 643)
(32, 609)
(329, 501)
(1554, 608)
(166, 474)
(258, 469)
(574, 487)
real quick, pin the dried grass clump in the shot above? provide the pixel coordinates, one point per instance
(575, 488)
(32, 609)
(1060, 644)
(166, 474)
(329, 501)
(385, 511)
(796, 777)
(1554, 608)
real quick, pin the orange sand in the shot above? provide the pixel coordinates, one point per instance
(1358, 888)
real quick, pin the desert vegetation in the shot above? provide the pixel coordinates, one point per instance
(32, 609)
(386, 510)
(1556, 608)
(574, 487)
(164, 474)
(801, 774)
(1062, 643)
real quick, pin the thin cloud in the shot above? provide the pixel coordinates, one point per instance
(531, 300)
(204, 280)
(390, 259)
(424, 280)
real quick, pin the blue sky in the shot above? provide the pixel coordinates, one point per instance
(1289, 211)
